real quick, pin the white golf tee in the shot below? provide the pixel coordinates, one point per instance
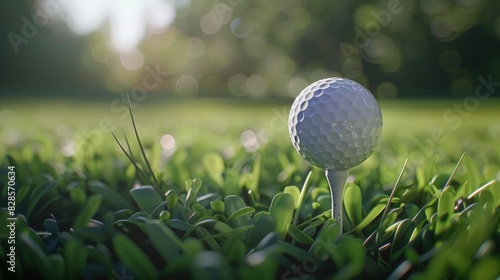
(336, 180)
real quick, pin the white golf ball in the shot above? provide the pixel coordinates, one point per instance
(335, 123)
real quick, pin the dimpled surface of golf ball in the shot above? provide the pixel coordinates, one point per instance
(335, 123)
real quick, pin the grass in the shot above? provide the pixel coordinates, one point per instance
(223, 195)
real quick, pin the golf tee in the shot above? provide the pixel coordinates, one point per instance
(336, 180)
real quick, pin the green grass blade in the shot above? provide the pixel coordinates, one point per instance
(298, 204)
(241, 212)
(388, 205)
(232, 204)
(88, 211)
(128, 146)
(56, 263)
(445, 209)
(214, 165)
(131, 159)
(264, 224)
(369, 217)
(353, 203)
(295, 192)
(282, 208)
(22, 193)
(439, 192)
(141, 147)
(134, 258)
(193, 190)
(389, 201)
(38, 193)
(473, 174)
(208, 238)
(325, 241)
(164, 240)
(146, 197)
(200, 222)
(317, 219)
(34, 254)
(76, 257)
(110, 196)
(300, 236)
(480, 189)
(234, 248)
(454, 170)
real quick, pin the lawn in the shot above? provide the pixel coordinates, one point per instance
(224, 195)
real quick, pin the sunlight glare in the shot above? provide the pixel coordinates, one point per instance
(129, 20)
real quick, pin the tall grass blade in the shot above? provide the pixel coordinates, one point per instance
(139, 170)
(146, 160)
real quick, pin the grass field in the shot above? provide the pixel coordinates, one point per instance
(225, 196)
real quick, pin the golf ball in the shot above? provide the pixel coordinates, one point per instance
(335, 123)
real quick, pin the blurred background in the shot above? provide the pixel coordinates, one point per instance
(220, 76)
(246, 49)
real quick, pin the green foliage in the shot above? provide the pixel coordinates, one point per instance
(243, 217)
(134, 258)
(88, 211)
(353, 203)
(281, 209)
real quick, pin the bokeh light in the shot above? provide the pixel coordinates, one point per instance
(68, 148)
(12, 137)
(196, 47)
(84, 16)
(210, 24)
(241, 28)
(442, 28)
(129, 21)
(380, 49)
(300, 18)
(250, 141)
(132, 59)
(187, 85)
(434, 7)
(256, 85)
(169, 145)
(258, 50)
(237, 85)
(386, 90)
